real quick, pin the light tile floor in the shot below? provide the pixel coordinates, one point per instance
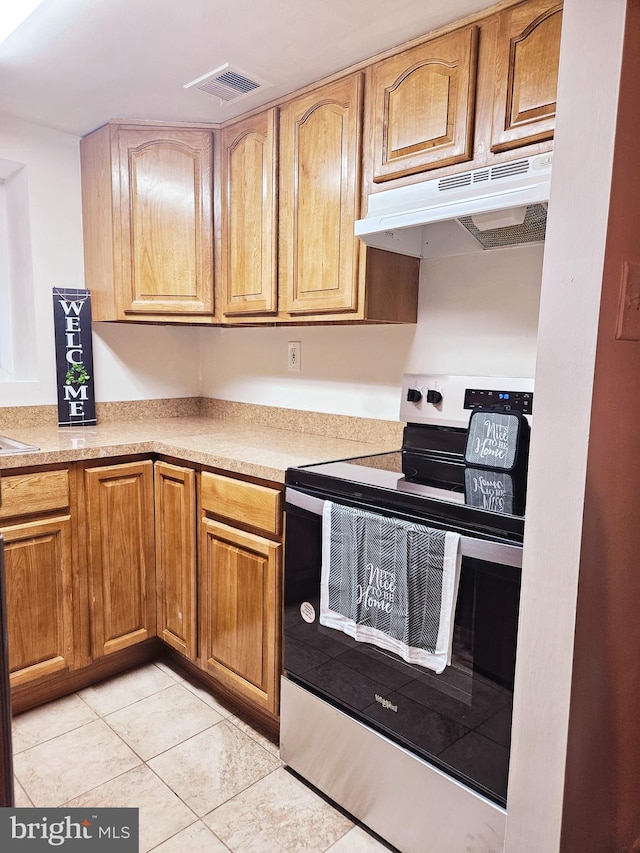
(203, 779)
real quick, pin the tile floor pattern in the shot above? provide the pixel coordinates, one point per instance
(203, 779)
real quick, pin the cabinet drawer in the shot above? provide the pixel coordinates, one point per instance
(247, 503)
(30, 493)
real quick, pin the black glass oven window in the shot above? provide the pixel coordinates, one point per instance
(459, 720)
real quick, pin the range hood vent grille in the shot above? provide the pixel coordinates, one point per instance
(228, 83)
(514, 167)
(532, 230)
(494, 173)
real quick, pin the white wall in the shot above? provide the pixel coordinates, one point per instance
(569, 311)
(137, 362)
(129, 363)
(477, 314)
(53, 187)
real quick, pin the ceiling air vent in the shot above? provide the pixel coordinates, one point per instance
(228, 83)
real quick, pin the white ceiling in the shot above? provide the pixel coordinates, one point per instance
(76, 63)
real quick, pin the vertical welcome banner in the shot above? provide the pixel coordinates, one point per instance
(74, 357)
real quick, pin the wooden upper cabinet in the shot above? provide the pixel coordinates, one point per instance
(165, 209)
(122, 580)
(320, 143)
(147, 220)
(249, 216)
(527, 74)
(421, 106)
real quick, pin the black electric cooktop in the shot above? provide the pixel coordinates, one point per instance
(426, 481)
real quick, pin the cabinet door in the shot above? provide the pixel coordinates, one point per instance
(121, 555)
(40, 601)
(422, 104)
(249, 227)
(320, 143)
(527, 74)
(166, 227)
(175, 500)
(240, 576)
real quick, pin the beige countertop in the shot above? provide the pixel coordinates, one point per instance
(240, 447)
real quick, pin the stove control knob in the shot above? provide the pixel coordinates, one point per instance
(413, 395)
(434, 397)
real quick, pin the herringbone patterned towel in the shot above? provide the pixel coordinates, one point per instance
(390, 582)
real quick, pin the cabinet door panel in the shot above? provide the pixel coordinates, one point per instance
(249, 236)
(121, 555)
(421, 108)
(241, 612)
(39, 598)
(320, 198)
(176, 556)
(527, 74)
(166, 187)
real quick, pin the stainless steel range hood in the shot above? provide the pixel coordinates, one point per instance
(493, 207)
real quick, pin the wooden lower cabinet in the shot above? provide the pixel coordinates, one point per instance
(240, 579)
(175, 504)
(40, 619)
(121, 556)
(110, 559)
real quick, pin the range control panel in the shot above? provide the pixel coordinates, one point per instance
(520, 401)
(445, 400)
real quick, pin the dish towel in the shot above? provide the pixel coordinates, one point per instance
(389, 582)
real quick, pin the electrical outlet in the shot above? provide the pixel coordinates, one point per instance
(293, 355)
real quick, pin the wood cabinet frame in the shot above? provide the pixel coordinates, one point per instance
(45, 573)
(421, 106)
(240, 622)
(526, 75)
(494, 140)
(320, 155)
(129, 270)
(249, 217)
(121, 555)
(176, 553)
(40, 602)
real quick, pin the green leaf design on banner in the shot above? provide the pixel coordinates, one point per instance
(77, 375)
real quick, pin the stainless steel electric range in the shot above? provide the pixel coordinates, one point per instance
(419, 756)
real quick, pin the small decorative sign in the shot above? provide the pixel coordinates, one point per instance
(74, 357)
(497, 439)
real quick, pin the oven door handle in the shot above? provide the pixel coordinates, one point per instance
(470, 546)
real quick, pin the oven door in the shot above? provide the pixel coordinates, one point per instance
(460, 720)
